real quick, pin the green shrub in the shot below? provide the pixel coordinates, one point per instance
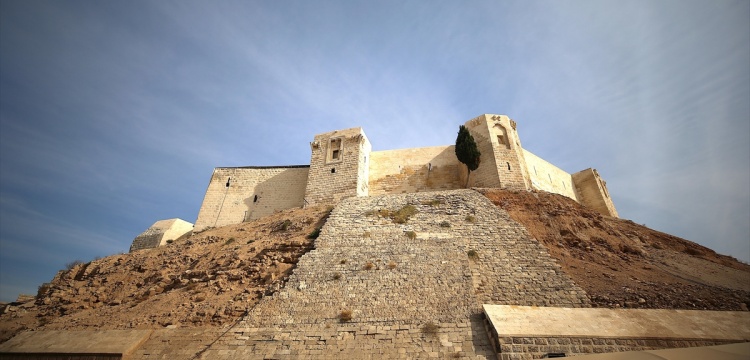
(445, 224)
(472, 254)
(403, 214)
(336, 276)
(411, 235)
(314, 234)
(470, 218)
(369, 265)
(285, 225)
(384, 213)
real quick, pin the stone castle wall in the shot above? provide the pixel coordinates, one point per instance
(548, 177)
(160, 233)
(592, 192)
(415, 170)
(235, 195)
(343, 165)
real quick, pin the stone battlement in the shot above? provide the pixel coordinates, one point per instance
(343, 165)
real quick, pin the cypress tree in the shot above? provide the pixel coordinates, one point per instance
(467, 151)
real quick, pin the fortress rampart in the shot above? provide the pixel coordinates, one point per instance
(343, 165)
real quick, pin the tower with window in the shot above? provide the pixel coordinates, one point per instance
(502, 163)
(338, 166)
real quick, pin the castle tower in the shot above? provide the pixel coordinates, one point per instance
(338, 166)
(502, 162)
(592, 192)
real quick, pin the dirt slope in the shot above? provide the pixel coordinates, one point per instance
(208, 279)
(622, 264)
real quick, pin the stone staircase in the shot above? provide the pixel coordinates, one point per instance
(414, 290)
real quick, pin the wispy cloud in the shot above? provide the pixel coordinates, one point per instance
(113, 115)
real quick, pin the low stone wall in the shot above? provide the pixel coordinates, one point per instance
(518, 348)
(520, 332)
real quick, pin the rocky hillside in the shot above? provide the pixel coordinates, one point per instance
(212, 278)
(623, 264)
(208, 279)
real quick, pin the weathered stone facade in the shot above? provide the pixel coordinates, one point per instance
(342, 165)
(457, 252)
(235, 195)
(160, 233)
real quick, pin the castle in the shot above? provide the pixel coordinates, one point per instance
(343, 165)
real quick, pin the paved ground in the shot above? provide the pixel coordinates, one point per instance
(77, 342)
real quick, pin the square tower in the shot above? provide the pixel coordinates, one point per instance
(338, 166)
(502, 163)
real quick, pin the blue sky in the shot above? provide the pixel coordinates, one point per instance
(114, 113)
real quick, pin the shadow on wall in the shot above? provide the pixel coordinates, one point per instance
(282, 191)
(416, 170)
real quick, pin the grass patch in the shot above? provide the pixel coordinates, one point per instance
(411, 235)
(402, 215)
(285, 225)
(369, 265)
(430, 328)
(314, 234)
(345, 315)
(470, 218)
(445, 224)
